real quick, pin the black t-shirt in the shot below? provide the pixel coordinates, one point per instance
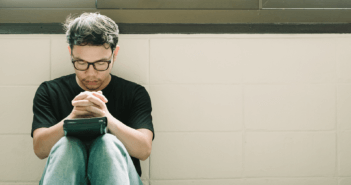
(127, 101)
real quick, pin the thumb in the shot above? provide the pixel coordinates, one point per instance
(101, 97)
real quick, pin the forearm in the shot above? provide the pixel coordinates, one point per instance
(134, 140)
(46, 138)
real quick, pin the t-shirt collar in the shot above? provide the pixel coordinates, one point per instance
(76, 88)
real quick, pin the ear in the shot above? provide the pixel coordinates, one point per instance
(115, 53)
(69, 50)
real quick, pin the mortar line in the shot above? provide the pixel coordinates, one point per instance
(244, 131)
(336, 122)
(336, 134)
(149, 60)
(252, 130)
(50, 65)
(14, 134)
(149, 92)
(263, 177)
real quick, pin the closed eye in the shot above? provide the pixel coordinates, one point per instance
(101, 63)
(80, 62)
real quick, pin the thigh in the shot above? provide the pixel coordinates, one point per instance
(110, 163)
(67, 162)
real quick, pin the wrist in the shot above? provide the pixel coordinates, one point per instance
(109, 118)
(68, 117)
(112, 124)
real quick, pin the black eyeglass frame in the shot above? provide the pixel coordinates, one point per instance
(91, 63)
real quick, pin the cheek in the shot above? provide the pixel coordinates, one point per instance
(103, 76)
(80, 75)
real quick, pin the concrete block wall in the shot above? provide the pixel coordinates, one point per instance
(229, 109)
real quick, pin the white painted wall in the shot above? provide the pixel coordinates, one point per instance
(228, 109)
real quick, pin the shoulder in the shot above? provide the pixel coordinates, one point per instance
(58, 82)
(49, 86)
(61, 80)
(130, 91)
(126, 84)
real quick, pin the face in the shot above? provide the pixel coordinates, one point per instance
(92, 80)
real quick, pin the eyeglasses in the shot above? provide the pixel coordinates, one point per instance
(81, 65)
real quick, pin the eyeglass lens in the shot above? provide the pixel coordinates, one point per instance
(100, 66)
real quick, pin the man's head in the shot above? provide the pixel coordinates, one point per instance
(92, 37)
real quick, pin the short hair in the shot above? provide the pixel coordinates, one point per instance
(91, 29)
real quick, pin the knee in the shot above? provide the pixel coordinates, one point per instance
(108, 142)
(70, 146)
(68, 142)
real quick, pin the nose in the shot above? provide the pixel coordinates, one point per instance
(91, 71)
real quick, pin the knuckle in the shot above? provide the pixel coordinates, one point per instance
(89, 97)
(89, 109)
(75, 112)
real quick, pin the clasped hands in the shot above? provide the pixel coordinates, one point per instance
(89, 104)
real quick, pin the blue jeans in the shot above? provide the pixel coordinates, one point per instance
(103, 160)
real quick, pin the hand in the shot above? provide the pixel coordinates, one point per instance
(89, 104)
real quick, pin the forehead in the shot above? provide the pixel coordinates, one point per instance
(89, 51)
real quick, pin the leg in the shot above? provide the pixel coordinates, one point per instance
(110, 163)
(66, 163)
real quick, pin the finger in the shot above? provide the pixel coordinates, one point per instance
(86, 108)
(81, 96)
(80, 103)
(100, 96)
(83, 108)
(100, 92)
(95, 111)
(81, 112)
(97, 101)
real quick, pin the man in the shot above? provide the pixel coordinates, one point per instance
(113, 158)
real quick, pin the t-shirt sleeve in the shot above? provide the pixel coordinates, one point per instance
(140, 113)
(43, 115)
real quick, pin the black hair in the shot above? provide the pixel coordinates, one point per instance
(91, 29)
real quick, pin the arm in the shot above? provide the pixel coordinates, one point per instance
(138, 142)
(45, 138)
(44, 134)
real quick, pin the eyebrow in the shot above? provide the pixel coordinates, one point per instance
(77, 58)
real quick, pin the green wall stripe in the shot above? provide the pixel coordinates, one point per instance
(127, 28)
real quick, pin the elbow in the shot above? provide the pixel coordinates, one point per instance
(146, 154)
(143, 158)
(40, 155)
(38, 151)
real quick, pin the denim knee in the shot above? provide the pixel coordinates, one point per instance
(108, 161)
(66, 163)
(107, 141)
(70, 146)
